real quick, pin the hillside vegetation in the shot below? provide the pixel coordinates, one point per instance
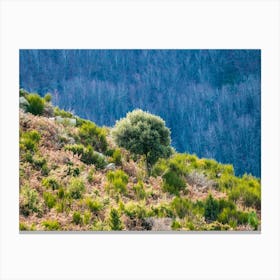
(73, 176)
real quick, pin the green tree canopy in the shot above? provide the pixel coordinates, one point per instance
(144, 134)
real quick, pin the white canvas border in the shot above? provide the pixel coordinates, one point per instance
(155, 24)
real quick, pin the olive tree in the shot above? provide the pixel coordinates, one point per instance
(144, 134)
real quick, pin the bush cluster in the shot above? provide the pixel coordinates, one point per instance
(115, 222)
(29, 201)
(76, 188)
(51, 183)
(36, 104)
(88, 155)
(117, 181)
(51, 225)
(91, 134)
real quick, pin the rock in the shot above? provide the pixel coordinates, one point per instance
(111, 166)
(69, 121)
(23, 103)
(159, 224)
(100, 154)
(72, 122)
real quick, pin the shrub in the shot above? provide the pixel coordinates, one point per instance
(86, 218)
(163, 210)
(23, 227)
(64, 205)
(48, 97)
(51, 183)
(92, 135)
(115, 222)
(49, 199)
(36, 104)
(29, 140)
(117, 180)
(94, 205)
(160, 167)
(77, 218)
(51, 225)
(117, 157)
(139, 190)
(29, 201)
(253, 220)
(135, 210)
(73, 171)
(181, 206)
(76, 188)
(62, 113)
(77, 149)
(173, 182)
(211, 208)
(90, 176)
(89, 156)
(248, 191)
(176, 225)
(143, 134)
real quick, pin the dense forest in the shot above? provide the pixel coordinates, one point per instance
(210, 99)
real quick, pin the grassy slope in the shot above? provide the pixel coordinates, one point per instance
(61, 191)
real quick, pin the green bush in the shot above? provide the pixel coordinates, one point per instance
(181, 206)
(51, 183)
(89, 156)
(62, 113)
(77, 149)
(23, 227)
(135, 210)
(36, 104)
(51, 225)
(233, 217)
(61, 193)
(73, 171)
(163, 210)
(143, 134)
(211, 209)
(115, 222)
(176, 225)
(29, 140)
(86, 218)
(94, 205)
(160, 167)
(90, 176)
(173, 182)
(49, 199)
(139, 190)
(248, 191)
(29, 201)
(117, 157)
(48, 97)
(92, 135)
(76, 188)
(77, 218)
(117, 180)
(253, 220)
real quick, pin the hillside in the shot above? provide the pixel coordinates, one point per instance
(74, 177)
(210, 99)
